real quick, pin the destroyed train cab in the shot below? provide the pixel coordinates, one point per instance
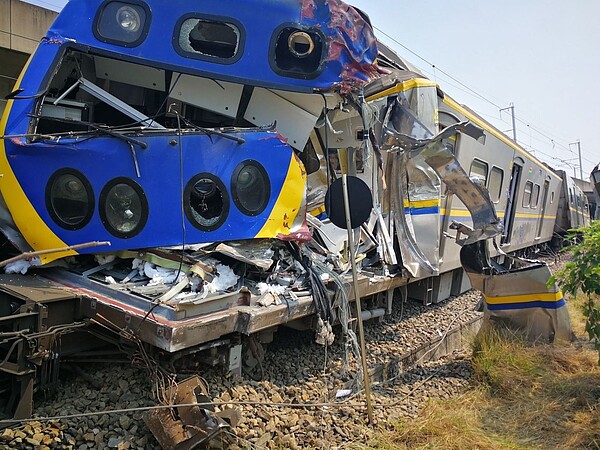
(165, 176)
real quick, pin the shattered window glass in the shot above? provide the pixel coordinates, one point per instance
(206, 202)
(209, 38)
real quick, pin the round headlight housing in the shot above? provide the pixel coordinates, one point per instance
(129, 19)
(69, 199)
(250, 187)
(206, 202)
(123, 207)
(122, 23)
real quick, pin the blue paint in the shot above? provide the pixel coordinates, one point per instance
(527, 305)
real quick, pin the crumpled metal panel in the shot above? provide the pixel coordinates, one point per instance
(518, 299)
(413, 258)
(185, 427)
(405, 132)
(415, 177)
(424, 189)
(351, 42)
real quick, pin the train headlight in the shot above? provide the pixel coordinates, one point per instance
(123, 207)
(69, 199)
(129, 19)
(122, 23)
(250, 188)
(206, 202)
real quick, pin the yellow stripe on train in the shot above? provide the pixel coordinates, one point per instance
(288, 202)
(541, 297)
(24, 214)
(421, 203)
(402, 87)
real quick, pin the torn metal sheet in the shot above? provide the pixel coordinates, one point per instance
(257, 253)
(406, 132)
(352, 47)
(186, 427)
(413, 258)
(518, 299)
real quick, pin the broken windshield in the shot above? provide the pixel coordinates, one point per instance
(89, 92)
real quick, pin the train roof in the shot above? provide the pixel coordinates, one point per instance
(313, 44)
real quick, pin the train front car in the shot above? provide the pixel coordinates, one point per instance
(148, 124)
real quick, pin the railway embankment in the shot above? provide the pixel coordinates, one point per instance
(411, 355)
(430, 390)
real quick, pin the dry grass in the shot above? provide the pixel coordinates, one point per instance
(535, 397)
(575, 307)
(450, 424)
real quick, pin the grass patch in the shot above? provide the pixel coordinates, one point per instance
(449, 424)
(522, 397)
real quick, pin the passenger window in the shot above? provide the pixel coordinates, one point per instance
(571, 195)
(445, 120)
(535, 195)
(552, 197)
(495, 185)
(479, 169)
(208, 39)
(527, 194)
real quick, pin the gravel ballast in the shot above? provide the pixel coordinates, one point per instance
(296, 370)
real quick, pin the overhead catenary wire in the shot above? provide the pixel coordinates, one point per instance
(463, 87)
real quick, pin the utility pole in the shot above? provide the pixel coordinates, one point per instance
(579, 153)
(514, 126)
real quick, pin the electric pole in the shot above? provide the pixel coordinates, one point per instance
(579, 154)
(514, 126)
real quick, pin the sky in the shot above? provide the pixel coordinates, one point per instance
(542, 56)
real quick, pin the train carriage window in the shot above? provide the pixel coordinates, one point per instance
(495, 184)
(571, 195)
(527, 194)
(479, 169)
(209, 38)
(552, 197)
(535, 196)
(446, 120)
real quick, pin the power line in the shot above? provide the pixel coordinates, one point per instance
(550, 137)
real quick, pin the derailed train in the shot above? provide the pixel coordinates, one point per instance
(165, 168)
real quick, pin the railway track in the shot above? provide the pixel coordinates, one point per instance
(402, 348)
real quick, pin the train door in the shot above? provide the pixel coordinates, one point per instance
(511, 203)
(543, 209)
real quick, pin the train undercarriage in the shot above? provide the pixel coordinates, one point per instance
(93, 311)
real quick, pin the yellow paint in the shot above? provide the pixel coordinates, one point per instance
(541, 297)
(466, 213)
(320, 210)
(30, 224)
(288, 203)
(421, 203)
(403, 87)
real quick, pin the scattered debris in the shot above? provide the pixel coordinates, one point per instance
(185, 427)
